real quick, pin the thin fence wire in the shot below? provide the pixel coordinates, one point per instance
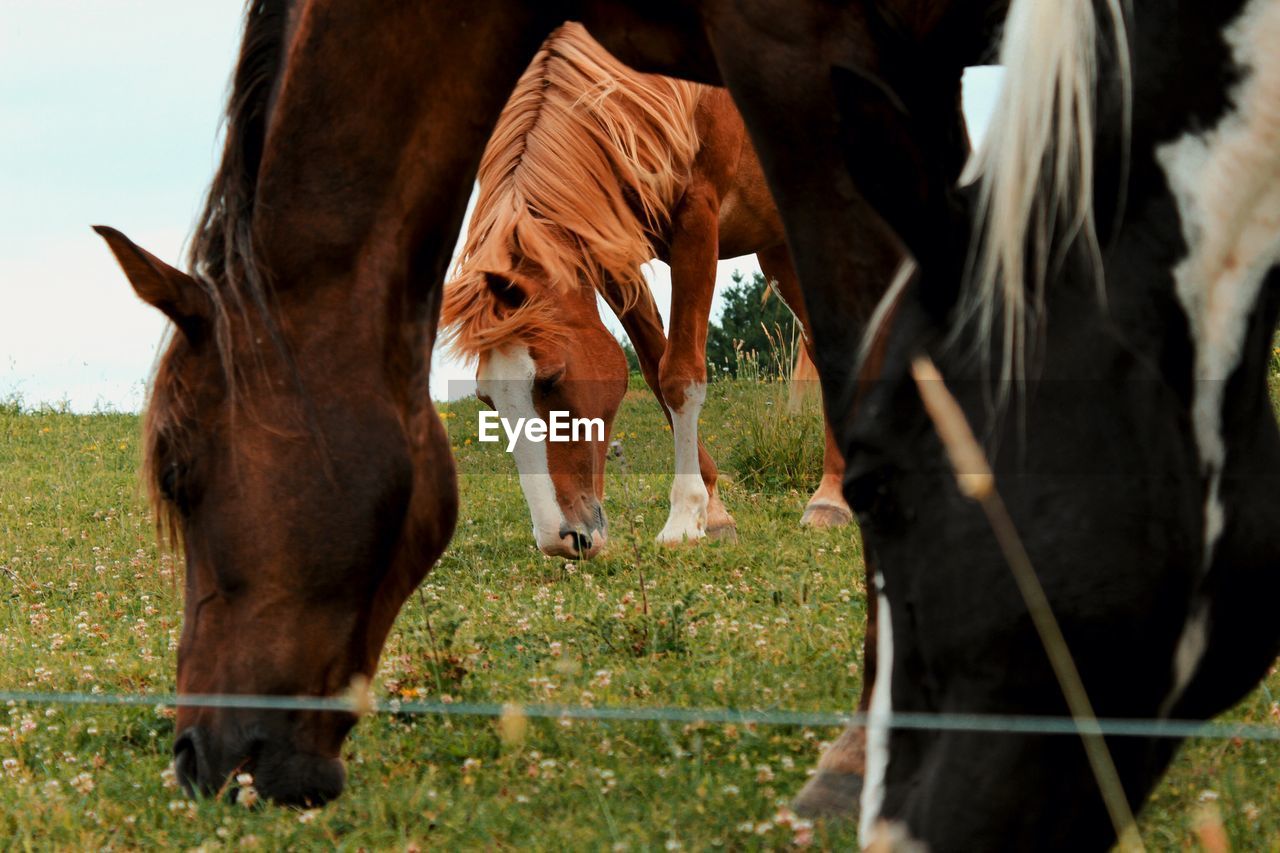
(988, 723)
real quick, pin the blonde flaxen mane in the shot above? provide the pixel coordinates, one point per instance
(584, 166)
(1036, 166)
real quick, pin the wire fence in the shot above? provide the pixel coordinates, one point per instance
(988, 723)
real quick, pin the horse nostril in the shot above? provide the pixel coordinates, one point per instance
(186, 762)
(578, 537)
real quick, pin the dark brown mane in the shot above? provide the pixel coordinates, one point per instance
(222, 247)
(221, 256)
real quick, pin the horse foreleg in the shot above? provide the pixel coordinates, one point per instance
(643, 325)
(696, 509)
(827, 507)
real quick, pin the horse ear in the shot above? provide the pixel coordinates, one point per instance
(175, 293)
(511, 291)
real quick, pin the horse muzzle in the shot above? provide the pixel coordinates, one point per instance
(281, 773)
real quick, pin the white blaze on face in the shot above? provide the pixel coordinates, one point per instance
(877, 718)
(1226, 182)
(688, 517)
(506, 377)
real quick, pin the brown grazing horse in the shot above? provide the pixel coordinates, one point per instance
(290, 437)
(592, 171)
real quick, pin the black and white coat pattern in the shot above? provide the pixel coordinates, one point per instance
(1120, 383)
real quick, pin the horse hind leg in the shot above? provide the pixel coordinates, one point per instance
(827, 507)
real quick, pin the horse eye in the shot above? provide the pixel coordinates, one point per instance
(169, 481)
(173, 486)
(548, 383)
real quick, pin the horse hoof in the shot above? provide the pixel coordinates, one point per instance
(679, 539)
(820, 515)
(723, 532)
(830, 796)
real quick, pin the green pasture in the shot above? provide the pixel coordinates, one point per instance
(89, 603)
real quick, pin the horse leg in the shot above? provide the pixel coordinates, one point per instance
(643, 325)
(696, 509)
(827, 507)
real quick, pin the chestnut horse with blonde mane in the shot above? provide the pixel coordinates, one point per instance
(592, 171)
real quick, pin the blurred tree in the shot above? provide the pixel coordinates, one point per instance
(633, 360)
(755, 325)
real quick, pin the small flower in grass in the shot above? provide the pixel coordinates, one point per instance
(169, 777)
(247, 796)
(11, 766)
(308, 815)
(82, 783)
(730, 790)
(53, 786)
(764, 773)
(674, 844)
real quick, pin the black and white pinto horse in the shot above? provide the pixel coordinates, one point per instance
(1107, 334)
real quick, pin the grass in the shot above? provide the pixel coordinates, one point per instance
(774, 620)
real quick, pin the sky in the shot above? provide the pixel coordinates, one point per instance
(115, 121)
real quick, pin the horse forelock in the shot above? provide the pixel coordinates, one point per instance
(1035, 168)
(582, 170)
(474, 321)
